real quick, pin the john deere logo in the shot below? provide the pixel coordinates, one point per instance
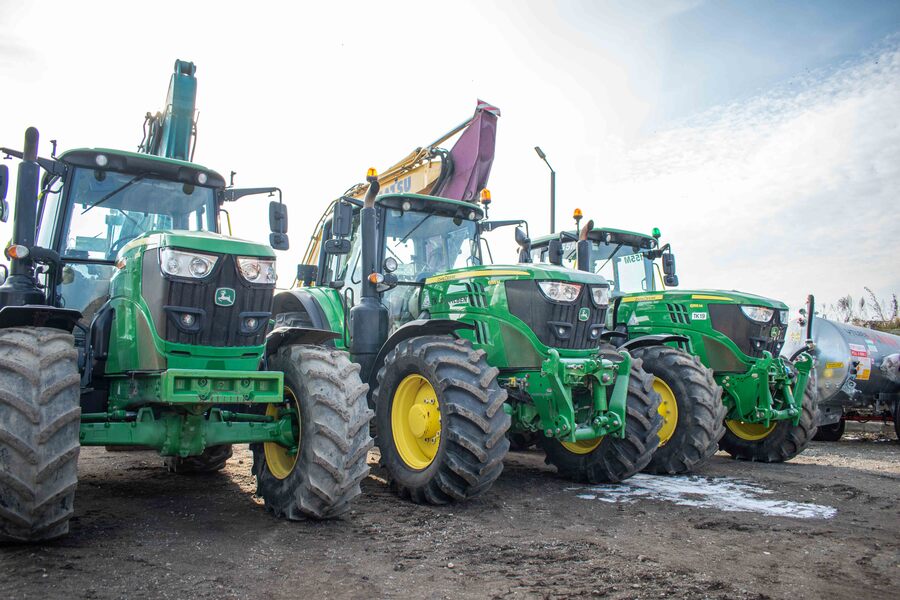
(224, 296)
(584, 314)
(775, 333)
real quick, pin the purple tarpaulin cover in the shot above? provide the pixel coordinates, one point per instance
(472, 156)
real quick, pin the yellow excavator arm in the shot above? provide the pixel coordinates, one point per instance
(429, 170)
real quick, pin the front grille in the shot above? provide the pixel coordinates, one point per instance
(546, 318)
(216, 325)
(751, 337)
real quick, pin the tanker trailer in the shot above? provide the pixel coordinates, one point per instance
(856, 373)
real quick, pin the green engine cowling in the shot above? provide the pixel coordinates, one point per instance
(736, 334)
(181, 347)
(546, 350)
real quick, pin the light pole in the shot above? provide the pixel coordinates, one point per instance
(543, 157)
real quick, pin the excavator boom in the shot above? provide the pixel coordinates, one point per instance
(173, 132)
(459, 174)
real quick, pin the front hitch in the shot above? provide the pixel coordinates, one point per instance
(571, 396)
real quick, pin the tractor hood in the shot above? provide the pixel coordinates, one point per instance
(203, 241)
(518, 271)
(708, 296)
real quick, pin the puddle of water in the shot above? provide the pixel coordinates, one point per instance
(721, 493)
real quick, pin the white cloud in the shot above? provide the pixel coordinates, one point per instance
(791, 192)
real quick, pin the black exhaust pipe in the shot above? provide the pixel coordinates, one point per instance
(21, 288)
(369, 318)
(583, 247)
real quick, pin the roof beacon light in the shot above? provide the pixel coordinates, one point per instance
(372, 173)
(656, 232)
(577, 214)
(485, 196)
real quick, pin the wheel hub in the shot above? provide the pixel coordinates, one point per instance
(751, 432)
(281, 460)
(416, 421)
(668, 409)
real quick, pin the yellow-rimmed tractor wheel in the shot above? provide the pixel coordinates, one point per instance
(777, 442)
(690, 405)
(326, 401)
(611, 459)
(440, 420)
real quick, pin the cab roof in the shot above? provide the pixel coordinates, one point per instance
(136, 162)
(599, 234)
(422, 202)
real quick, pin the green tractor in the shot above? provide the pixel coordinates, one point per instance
(128, 320)
(459, 353)
(769, 410)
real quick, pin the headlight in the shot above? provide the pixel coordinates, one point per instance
(559, 291)
(600, 294)
(180, 263)
(783, 316)
(257, 270)
(758, 313)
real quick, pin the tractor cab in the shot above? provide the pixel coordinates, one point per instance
(626, 259)
(94, 202)
(421, 236)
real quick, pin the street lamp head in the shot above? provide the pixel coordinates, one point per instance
(540, 153)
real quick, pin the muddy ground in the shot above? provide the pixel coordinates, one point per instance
(140, 532)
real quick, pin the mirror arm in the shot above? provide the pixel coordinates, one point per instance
(230, 195)
(48, 164)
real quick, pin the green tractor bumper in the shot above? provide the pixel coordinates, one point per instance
(769, 391)
(178, 412)
(572, 399)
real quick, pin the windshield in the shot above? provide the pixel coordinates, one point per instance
(627, 268)
(427, 243)
(105, 210)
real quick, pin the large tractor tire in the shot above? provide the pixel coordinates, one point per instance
(441, 423)
(691, 407)
(832, 432)
(39, 424)
(213, 459)
(778, 442)
(323, 390)
(611, 459)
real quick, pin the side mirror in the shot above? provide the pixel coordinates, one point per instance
(306, 274)
(555, 252)
(336, 246)
(278, 221)
(668, 261)
(4, 187)
(342, 219)
(524, 244)
(671, 280)
(279, 241)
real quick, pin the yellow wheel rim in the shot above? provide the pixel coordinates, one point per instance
(278, 459)
(416, 421)
(582, 446)
(668, 409)
(749, 431)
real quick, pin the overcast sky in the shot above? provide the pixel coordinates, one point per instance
(762, 137)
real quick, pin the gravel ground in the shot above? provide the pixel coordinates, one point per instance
(733, 531)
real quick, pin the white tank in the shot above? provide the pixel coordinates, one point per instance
(851, 366)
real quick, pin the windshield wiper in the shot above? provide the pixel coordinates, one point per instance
(611, 256)
(411, 231)
(127, 184)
